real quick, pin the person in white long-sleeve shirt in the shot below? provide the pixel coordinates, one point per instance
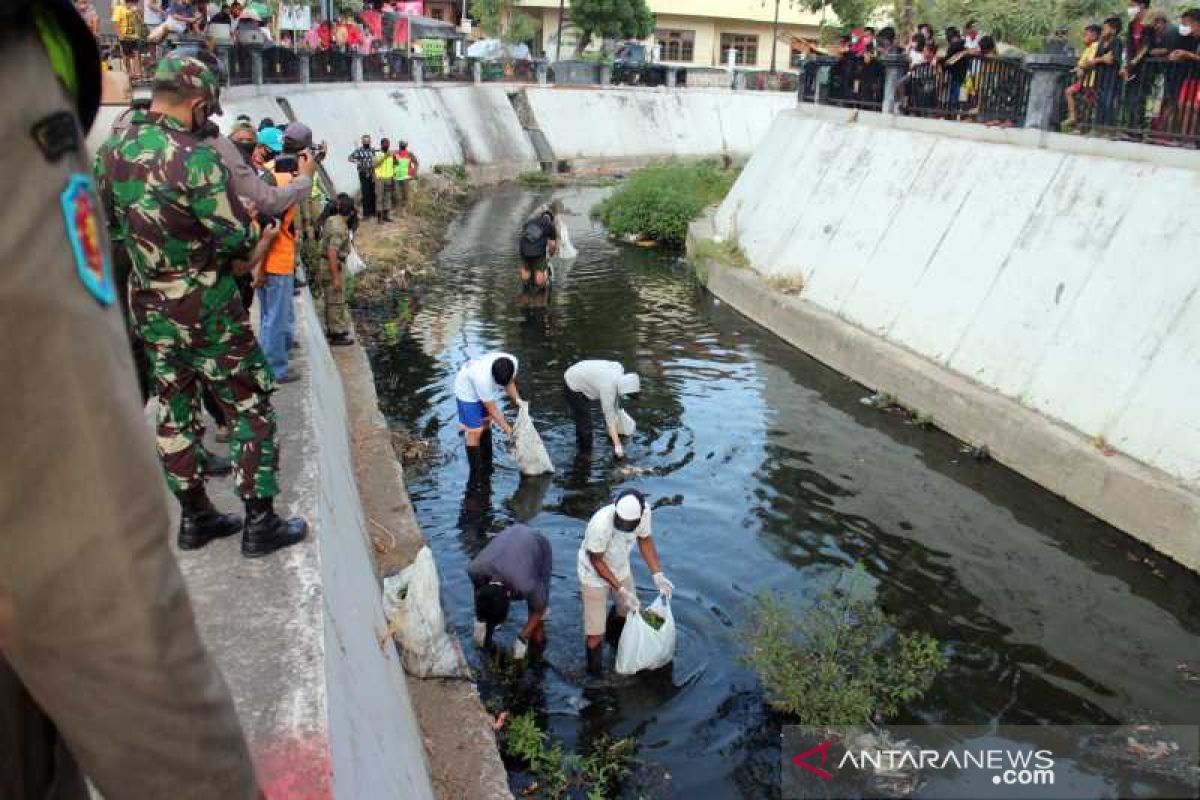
(604, 381)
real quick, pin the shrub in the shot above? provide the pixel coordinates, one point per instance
(558, 773)
(838, 661)
(658, 202)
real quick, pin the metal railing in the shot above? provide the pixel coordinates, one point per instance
(983, 88)
(1157, 101)
(330, 66)
(280, 65)
(849, 82)
(393, 65)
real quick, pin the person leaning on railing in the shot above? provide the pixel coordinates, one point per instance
(1184, 56)
(1084, 86)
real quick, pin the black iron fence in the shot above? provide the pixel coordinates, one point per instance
(241, 66)
(330, 66)
(1154, 100)
(393, 65)
(280, 65)
(849, 81)
(984, 88)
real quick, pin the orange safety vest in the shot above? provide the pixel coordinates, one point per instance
(281, 258)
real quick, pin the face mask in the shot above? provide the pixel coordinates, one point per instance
(1185, 30)
(247, 148)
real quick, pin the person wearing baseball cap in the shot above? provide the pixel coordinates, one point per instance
(603, 564)
(604, 381)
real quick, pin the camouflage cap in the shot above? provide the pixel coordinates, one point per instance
(189, 74)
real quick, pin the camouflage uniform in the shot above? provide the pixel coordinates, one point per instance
(182, 228)
(336, 236)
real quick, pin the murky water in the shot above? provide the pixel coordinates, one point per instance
(766, 472)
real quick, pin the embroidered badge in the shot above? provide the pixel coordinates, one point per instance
(81, 210)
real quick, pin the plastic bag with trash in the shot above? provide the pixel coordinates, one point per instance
(413, 605)
(625, 424)
(644, 645)
(566, 253)
(528, 452)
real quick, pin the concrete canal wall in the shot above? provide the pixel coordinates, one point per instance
(1035, 292)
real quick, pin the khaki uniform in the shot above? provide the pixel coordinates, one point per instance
(335, 316)
(102, 667)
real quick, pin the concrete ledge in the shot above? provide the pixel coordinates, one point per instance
(459, 743)
(1125, 493)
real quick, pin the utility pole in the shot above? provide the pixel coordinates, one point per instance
(558, 44)
(774, 35)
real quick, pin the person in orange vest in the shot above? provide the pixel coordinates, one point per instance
(275, 279)
(406, 170)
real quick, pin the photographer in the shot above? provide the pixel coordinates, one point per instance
(274, 279)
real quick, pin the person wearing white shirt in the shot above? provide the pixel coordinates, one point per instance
(603, 565)
(477, 386)
(153, 14)
(603, 381)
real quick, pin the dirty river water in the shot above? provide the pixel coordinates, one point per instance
(766, 473)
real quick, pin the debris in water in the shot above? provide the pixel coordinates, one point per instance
(879, 400)
(1189, 673)
(979, 453)
(630, 471)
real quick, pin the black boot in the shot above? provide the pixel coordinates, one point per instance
(266, 531)
(214, 464)
(200, 523)
(485, 452)
(595, 660)
(613, 626)
(474, 463)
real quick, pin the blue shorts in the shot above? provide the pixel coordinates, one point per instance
(471, 415)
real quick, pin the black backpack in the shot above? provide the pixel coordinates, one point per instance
(533, 239)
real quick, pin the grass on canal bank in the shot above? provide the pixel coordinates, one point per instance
(660, 201)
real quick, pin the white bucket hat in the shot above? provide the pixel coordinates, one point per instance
(629, 383)
(629, 508)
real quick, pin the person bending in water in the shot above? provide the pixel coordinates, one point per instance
(476, 387)
(537, 242)
(603, 564)
(607, 382)
(514, 566)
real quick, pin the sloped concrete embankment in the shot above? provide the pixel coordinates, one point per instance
(1031, 291)
(479, 127)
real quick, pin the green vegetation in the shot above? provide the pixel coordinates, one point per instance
(839, 660)
(610, 19)
(535, 180)
(559, 774)
(658, 202)
(456, 171)
(500, 19)
(726, 251)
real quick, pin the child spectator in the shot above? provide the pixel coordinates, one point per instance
(1184, 54)
(1107, 64)
(1085, 77)
(127, 22)
(90, 17)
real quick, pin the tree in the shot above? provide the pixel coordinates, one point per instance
(610, 19)
(849, 13)
(1024, 23)
(500, 20)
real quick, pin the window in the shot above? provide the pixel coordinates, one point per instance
(436, 12)
(677, 45)
(745, 48)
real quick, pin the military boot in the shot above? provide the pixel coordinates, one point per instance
(200, 522)
(265, 531)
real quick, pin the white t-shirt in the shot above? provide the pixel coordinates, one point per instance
(597, 380)
(474, 382)
(972, 42)
(152, 17)
(602, 537)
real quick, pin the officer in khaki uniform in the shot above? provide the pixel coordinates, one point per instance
(331, 277)
(102, 670)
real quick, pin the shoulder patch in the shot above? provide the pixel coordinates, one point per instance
(81, 212)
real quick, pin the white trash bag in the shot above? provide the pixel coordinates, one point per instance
(413, 606)
(354, 262)
(625, 424)
(566, 250)
(641, 647)
(528, 452)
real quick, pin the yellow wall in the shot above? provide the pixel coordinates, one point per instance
(708, 32)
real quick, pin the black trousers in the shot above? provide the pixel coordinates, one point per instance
(366, 184)
(581, 409)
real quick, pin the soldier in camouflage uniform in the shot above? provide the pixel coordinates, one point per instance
(184, 228)
(335, 247)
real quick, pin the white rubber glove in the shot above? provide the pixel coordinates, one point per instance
(630, 600)
(480, 633)
(519, 649)
(665, 587)
(546, 614)
(618, 451)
